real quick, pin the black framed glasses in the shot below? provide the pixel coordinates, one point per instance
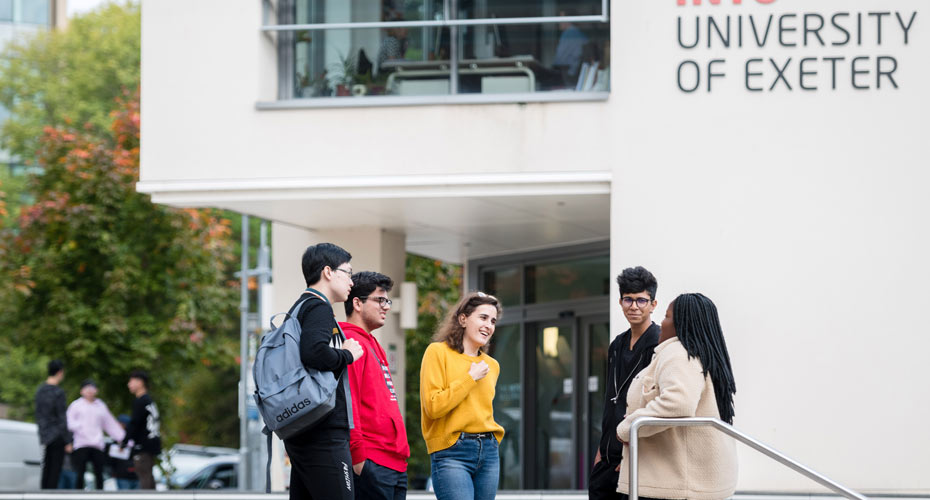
(640, 301)
(382, 301)
(347, 271)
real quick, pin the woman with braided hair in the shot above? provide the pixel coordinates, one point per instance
(690, 376)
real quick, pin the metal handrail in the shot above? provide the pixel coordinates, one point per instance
(446, 21)
(734, 433)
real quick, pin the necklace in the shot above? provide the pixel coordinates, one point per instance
(619, 360)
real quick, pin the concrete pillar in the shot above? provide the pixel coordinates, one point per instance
(372, 249)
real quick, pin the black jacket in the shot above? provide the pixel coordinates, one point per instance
(618, 382)
(317, 328)
(144, 426)
(50, 415)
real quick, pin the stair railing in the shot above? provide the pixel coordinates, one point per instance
(735, 434)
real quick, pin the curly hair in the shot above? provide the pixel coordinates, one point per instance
(451, 331)
(637, 279)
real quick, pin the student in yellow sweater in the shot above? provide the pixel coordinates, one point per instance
(457, 382)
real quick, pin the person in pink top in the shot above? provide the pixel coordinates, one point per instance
(88, 419)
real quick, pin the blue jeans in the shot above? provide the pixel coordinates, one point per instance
(378, 482)
(467, 470)
(127, 484)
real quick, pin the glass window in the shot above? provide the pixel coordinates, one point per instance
(569, 56)
(528, 8)
(534, 58)
(35, 11)
(369, 62)
(554, 413)
(319, 12)
(6, 10)
(507, 349)
(224, 477)
(597, 382)
(504, 284)
(199, 480)
(568, 279)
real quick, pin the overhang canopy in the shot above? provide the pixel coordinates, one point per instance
(451, 217)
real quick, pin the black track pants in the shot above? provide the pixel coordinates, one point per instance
(52, 463)
(321, 469)
(79, 459)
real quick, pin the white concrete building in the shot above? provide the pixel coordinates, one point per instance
(771, 154)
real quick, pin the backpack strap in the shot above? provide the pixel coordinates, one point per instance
(290, 313)
(268, 464)
(343, 377)
(345, 384)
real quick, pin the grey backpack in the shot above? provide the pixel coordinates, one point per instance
(290, 397)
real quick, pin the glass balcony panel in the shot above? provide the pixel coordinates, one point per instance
(526, 58)
(370, 62)
(358, 11)
(486, 9)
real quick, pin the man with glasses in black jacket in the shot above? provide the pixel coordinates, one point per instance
(628, 354)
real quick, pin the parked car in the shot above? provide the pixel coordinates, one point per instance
(182, 461)
(20, 456)
(219, 473)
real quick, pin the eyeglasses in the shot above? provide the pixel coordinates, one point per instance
(347, 271)
(483, 295)
(382, 301)
(640, 301)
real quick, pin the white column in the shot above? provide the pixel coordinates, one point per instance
(372, 249)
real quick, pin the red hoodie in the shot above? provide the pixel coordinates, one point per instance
(379, 434)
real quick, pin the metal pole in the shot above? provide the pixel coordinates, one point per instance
(263, 272)
(243, 354)
(634, 460)
(736, 434)
(453, 52)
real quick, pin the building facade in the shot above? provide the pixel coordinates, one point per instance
(768, 153)
(20, 19)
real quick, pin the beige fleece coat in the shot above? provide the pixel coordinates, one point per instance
(677, 462)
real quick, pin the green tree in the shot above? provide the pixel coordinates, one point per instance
(439, 286)
(101, 277)
(69, 77)
(12, 188)
(20, 374)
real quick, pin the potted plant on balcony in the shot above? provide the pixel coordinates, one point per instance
(344, 75)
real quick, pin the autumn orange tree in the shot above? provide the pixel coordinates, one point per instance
(97, 275)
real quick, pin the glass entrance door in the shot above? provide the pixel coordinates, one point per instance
(567, 373)
(554, 404)
(597, 341)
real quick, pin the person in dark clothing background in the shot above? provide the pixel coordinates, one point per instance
(628, 354)
(121, 467)
(321, 463)
(144, 430)
(51, 407)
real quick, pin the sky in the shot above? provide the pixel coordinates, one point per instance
(81, 6)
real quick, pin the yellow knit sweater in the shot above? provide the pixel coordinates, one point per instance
(451, 402)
